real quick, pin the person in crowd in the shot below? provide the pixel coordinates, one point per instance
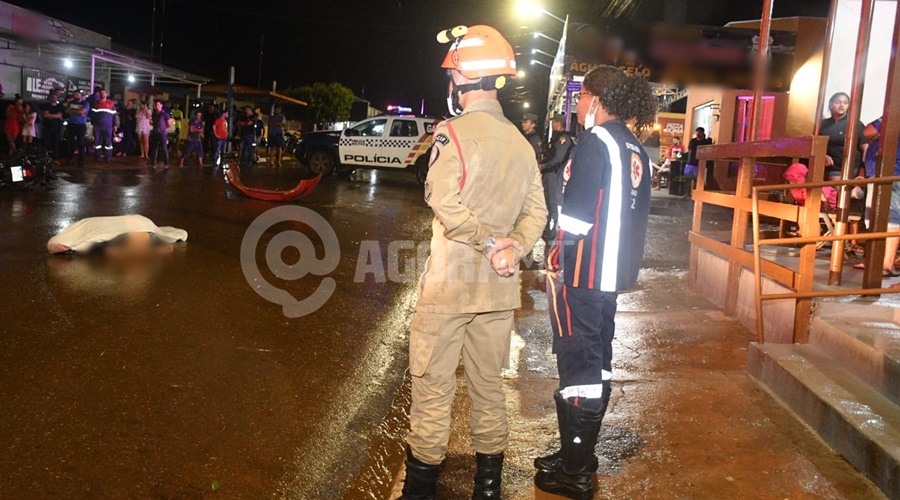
(558, 155)
(104, 121)
(178, 117)
(12, 127)
(52, 118)
(92, 112)
(529, 128)
(485, 191)
(675, 153)
(835, 127)
(275, 138)
(691, 168)
(77, 116)
(143, 118)
(194, 142)
(220, 130)
(159, 136)
(872, 134)
(128, 126)
(597, 254)
(209, 119)
(247, 125)
(29, 127)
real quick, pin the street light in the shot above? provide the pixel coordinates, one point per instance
(539, 51)
(526, 105)
(68, 63)
(533, 62)
(528, 8)
(539, 35)
(521, 73)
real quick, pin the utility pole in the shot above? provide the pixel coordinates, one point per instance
(262, 39)
(153, 31)
(162, 29)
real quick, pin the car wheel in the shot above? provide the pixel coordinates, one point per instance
(422, 167)
(321, 162)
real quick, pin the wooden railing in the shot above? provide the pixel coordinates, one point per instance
(747, 201)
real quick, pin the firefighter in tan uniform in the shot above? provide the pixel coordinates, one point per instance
(485, 190)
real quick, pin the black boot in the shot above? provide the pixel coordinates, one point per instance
(421, 479)
(552, 462)
(573, 479)
(488, 475)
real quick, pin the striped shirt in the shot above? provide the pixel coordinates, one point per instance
(605, 208)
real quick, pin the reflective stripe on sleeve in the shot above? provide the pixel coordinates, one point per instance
(573, 225)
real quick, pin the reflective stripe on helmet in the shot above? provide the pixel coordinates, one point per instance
(470, 42)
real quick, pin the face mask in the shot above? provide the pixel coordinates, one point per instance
(590, 117)
(453, 104)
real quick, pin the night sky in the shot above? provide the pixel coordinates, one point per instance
(384, 50)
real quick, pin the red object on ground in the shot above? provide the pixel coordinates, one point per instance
(302, 189)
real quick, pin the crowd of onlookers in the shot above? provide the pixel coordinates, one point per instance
(149, 128)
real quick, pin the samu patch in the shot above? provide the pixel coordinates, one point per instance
(442, 139)
(637, 170)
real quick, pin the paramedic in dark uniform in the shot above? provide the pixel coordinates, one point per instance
(558, 154)
(529, 128)
(597, 254)
(485, 191)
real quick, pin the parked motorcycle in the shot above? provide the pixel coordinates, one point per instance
(28, 167)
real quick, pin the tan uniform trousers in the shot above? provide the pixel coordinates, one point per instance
(436, 341)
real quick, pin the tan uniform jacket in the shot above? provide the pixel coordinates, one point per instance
(483, 180)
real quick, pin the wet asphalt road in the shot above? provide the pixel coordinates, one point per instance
(174, 379)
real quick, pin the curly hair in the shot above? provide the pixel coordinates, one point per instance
(625, 97)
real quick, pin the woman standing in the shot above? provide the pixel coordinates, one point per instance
(835, 128)
(12, 127)
(597, 254)
(143, 129)
(29, 131)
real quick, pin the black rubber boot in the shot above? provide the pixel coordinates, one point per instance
(552, 462)
(573, 479)
(488, 476)
(421, 479)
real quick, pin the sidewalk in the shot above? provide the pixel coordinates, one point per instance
(685, 420)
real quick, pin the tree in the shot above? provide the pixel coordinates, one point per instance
(326, 103)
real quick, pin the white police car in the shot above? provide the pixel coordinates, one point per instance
(386, 142)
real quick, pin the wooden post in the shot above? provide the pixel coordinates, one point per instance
(884, 165)
(848, 169)
(738, 232)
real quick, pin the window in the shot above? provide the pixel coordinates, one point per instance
(742, 119)
(703, 117)
(374, 128)
(404, 128)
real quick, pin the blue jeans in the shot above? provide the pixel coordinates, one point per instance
(248, 149)
(219, 151)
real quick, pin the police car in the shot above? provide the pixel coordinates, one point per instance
(385, 142)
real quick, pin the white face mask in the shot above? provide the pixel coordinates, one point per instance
(591, 115)
(452, 106)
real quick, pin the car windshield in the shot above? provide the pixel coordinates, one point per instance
(374, 128)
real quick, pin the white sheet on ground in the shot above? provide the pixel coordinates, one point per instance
(84, 234)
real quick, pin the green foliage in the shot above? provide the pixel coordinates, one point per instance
(327, 103)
